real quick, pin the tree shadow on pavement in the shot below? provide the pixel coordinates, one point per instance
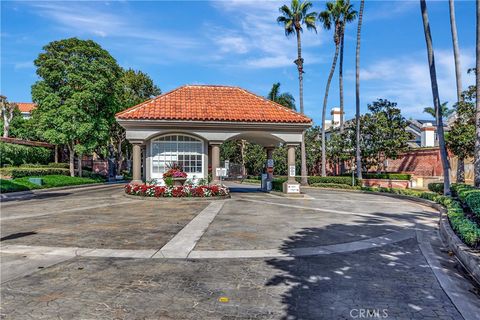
(392, 281)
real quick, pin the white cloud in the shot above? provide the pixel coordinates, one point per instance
(257, 34)
(89, 18)
(406, 79)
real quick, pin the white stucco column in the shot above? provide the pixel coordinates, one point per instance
(137, 163)
(291, 185)
(215, 162)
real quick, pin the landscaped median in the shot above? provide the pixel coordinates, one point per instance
(185, 191)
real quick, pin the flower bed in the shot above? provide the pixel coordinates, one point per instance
(191, 191)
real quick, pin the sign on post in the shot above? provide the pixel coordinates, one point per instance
(221, 172)
(293, 188)
(291, 171)
(227, 164)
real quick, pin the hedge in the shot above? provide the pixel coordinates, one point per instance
(390, 176)
(469, 195)
(18, 172)
(333, 186)
(330, 179)
(436, 187)
(52, 181)
(16, 154)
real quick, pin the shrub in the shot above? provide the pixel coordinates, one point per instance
(469, 195)
(330, 179)
(59, 165)
(436, 187)
(18, 172)
(391, 176)
(51, 181)
(333, 185)
(16, 154)
(277, 184)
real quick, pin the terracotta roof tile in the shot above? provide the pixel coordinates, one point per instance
(26, 106)
(212, 103)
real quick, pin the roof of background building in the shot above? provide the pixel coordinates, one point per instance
(212, 103)
(26, 106)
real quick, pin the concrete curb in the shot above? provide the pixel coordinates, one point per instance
(180, 199)
(469, 258)
(19, 194)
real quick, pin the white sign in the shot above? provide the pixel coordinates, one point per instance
(270, 163)
(221, 172)
(293, 188)
(291, 171)
(227, 164)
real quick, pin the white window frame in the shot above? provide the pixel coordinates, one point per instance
(190, 175)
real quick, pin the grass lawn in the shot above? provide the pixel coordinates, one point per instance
(51, 181)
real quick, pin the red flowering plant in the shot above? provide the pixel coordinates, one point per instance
(152, 190)
(175, 171)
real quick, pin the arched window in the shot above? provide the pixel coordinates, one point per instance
(183, 150)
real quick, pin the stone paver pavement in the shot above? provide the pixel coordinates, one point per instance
(392, 278)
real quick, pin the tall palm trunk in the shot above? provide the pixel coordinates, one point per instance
(299, 63)
(458, 77)
(340, 80)
(456, 51)
(357, 92)
(436, 99)
(477, 103)
(340, 85)
(324, 110)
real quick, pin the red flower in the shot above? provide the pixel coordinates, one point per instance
(177, 192)
(159, 191)
(214, 189)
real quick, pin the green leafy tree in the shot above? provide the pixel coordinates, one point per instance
(335, 15)
(21, 128)
(293, 19)
(8, 111)
(460, 140)
(76, 95)
(340, 146)
(285, 98)
(134, 87)
(383, 133)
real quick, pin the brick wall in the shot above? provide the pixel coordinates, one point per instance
(421, 162)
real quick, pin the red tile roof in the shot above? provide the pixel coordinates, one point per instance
(212, 103)
(26, 106)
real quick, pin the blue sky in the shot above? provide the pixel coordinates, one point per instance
(239, 43)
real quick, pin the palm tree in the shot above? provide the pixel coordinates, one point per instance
(293, 19)
(332, 16)
(456, 51)
(357, 92)
(446, 112)
(476, 166)
(285, 98)
(436, 99)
